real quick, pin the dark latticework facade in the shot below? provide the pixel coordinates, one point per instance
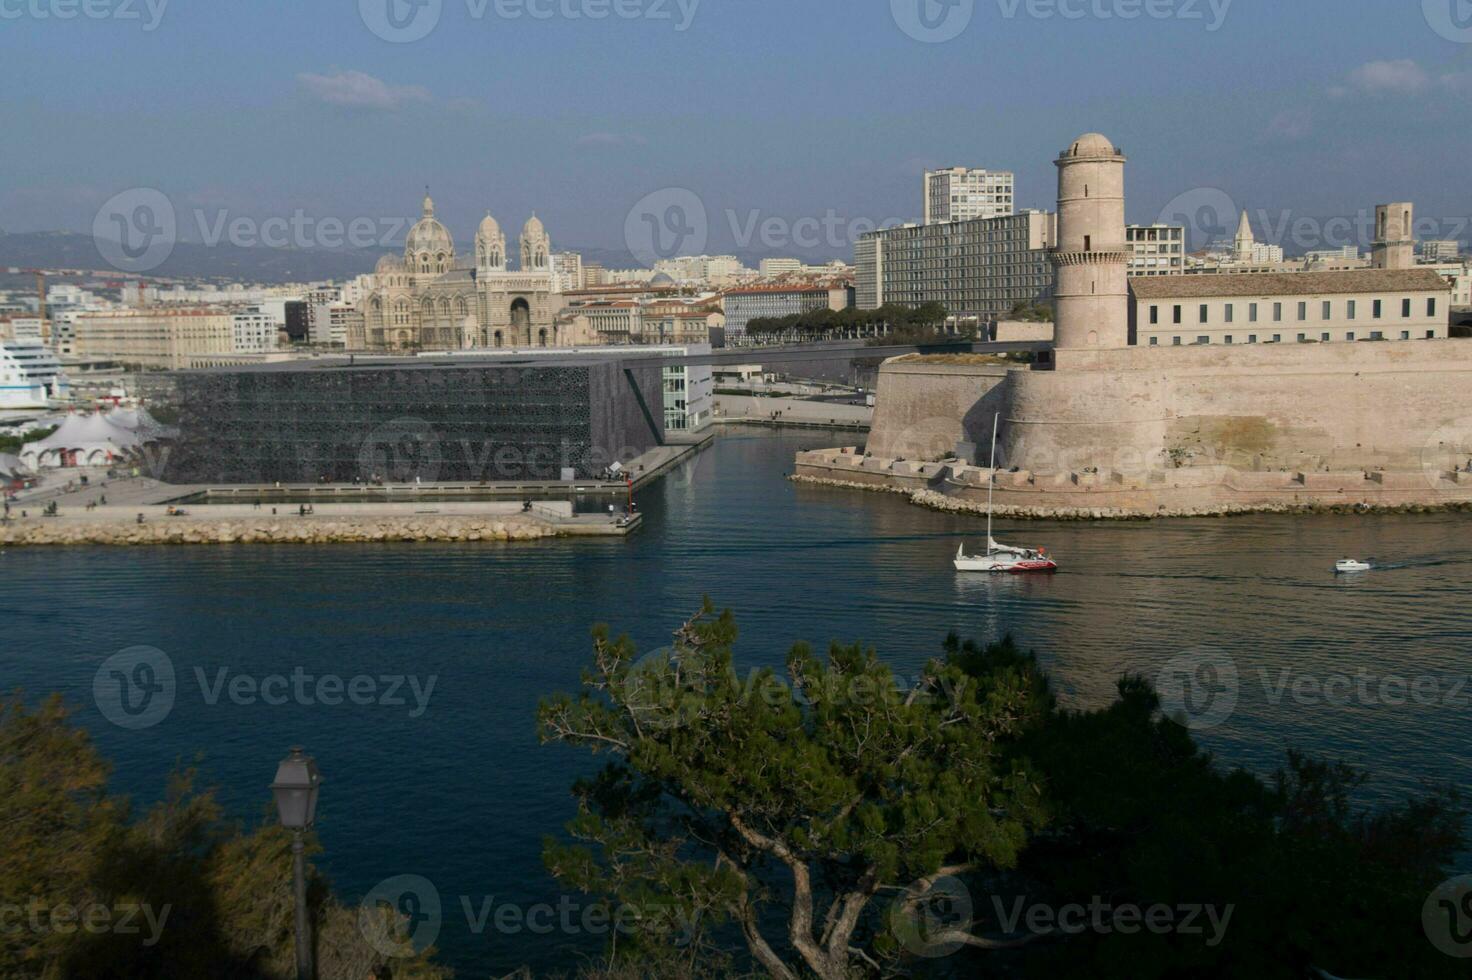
(402, 422)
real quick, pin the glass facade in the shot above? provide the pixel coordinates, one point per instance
(397, 424)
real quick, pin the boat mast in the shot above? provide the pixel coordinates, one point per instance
(991, 481)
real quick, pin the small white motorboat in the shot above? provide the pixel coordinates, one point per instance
(999, 557)
(1348, 565)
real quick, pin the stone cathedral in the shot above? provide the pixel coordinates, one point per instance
(427, 300)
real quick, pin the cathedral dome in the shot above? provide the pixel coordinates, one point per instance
(429, 235)
(389, 263)
(489, 230)
(1092, 145)
(533, 228)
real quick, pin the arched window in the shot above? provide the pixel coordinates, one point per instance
(498, 338)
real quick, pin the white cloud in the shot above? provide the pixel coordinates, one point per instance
(358, 90)
(1402, 77)
(1290, 125)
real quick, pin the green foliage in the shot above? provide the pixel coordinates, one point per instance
(1031, 312)
(818, 324)
(817, 815)
(92, 891)
(832, 784)
(14, 444)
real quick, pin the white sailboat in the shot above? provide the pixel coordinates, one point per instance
(1000, 557)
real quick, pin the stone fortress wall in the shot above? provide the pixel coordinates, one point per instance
(1129, 430)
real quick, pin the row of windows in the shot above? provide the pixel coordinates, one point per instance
(1326, 311)
(1303, 338)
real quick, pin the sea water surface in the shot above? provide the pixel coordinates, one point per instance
(1371, 669)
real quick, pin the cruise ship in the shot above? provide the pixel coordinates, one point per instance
(30, 376)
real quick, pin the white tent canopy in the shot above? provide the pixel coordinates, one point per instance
(13, 467)
(93, 440)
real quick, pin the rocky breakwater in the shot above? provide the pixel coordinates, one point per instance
(274, 530)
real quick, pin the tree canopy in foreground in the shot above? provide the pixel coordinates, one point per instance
(836, 821)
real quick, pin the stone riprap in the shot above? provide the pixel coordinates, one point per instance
(1185, 492)
(293, 530)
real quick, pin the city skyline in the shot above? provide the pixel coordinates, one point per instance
(339, 123)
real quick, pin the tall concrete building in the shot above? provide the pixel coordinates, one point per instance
(1156, 250)
(982, 267)
(1395, 237)
(963, 194)
(1091, 293)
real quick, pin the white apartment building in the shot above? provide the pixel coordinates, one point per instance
(253, 331)
(700, 268)
(1292, 307)
(780, 267)
(158, 338)
(1156, 250)
(568, 268)
(978, 268)
(772, 300)
(963, 194)
(1439, 251)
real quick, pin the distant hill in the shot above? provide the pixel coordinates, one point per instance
(192, 261)
(70, 250)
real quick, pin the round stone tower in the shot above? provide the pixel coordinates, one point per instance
(1091, 259)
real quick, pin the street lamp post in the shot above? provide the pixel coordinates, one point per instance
(295, 789)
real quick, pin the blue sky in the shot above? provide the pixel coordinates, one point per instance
(784, 109)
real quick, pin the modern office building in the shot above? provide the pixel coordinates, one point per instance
(1156, 250)
(1295, 307)
(964, 194)
(689, 389)
(978, 268)
(453, 418)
